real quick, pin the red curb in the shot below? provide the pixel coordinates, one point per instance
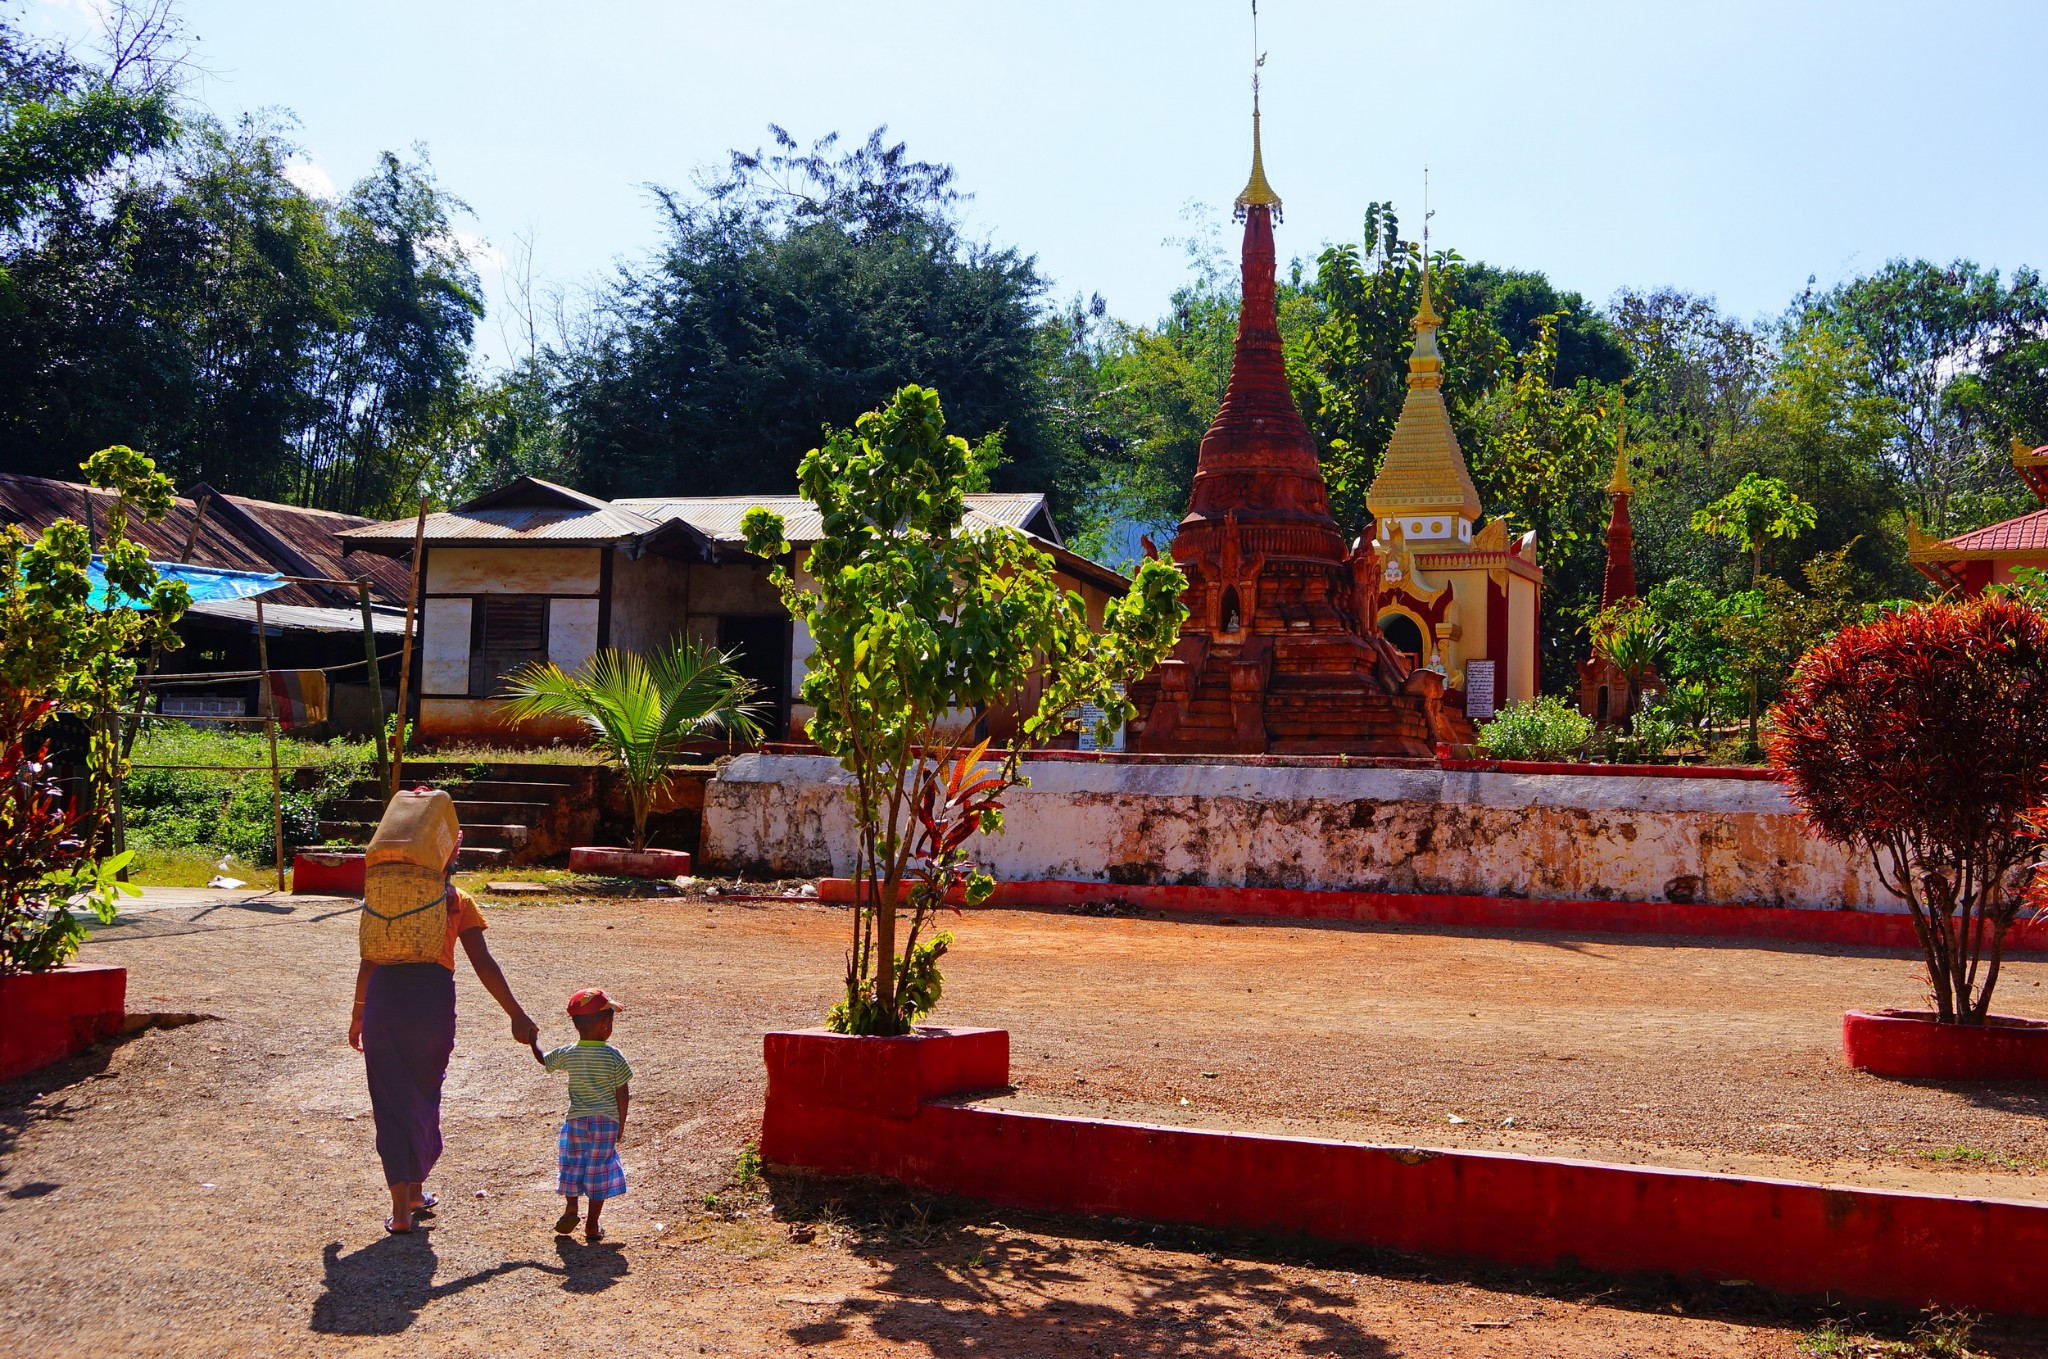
(1909, 1044)
(865, 1106)
(47, 1016)
(1855, 929)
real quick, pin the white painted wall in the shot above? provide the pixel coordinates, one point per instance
(1711, 841)
(572, 631)
(444, 646)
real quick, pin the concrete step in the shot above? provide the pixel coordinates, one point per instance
(516, 790)
(521, 812)
(480, 834)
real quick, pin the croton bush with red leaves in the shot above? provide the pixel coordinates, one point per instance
(1923, 738)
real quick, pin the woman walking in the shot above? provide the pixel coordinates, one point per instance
(404, 1017)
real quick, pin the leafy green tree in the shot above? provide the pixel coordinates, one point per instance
(1957, 352)
(641, 711)
(795, 291)
(66, 122)
(202, 305)
(1769, 627)
(922, 628)
(66, 639)
(1759, 510)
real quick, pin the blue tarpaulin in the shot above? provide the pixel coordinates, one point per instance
(205, 582)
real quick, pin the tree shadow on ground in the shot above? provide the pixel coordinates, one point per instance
(380, 1289)
(966, 1280)
(28, 1100)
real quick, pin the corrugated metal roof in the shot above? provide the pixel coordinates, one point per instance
(224, 539)
(302, 618)
(554, 526)
(2028, 533)
(718, 517)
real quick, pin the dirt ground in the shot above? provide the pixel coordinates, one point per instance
(212, 1188)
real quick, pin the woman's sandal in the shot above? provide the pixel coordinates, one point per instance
(566, 1224)
(426, 1206)
(395, 1230)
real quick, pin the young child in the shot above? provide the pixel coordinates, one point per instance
(598, 1096)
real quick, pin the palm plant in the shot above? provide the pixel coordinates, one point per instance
(1628, 637)
(641, 710)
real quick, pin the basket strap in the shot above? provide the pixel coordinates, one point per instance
(368, 909)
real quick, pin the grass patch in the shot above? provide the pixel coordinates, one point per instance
(191, 866)
(479, 753)
(220, 809)
(1970, 1156)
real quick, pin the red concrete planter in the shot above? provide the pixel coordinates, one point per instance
(327, 873)
(1909, 1043)
(47, 1016)
(629, 863)
(831, 1088)
(887, 1107)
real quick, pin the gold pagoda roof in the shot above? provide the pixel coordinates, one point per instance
(1257, 192)
(1424, 469)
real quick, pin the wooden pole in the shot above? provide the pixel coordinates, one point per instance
(270, 726)
(412, 600)
(376, 679)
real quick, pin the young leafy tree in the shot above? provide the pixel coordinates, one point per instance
(1922, 738)
(642, 711)
(922, 627)
(1758, 511)
(1768, 628)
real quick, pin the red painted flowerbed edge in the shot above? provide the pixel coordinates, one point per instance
(894, 1107)
(617, 862)
(47, 1016)
(1910, 1044)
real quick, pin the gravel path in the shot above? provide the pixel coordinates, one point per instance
(211, 1189)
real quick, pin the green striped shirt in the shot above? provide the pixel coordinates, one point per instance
(596, 1071)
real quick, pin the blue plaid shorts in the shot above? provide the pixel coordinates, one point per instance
(590, 1159)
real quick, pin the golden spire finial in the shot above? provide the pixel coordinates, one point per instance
(1619, 484)
(1257, 192)
(1425, 366)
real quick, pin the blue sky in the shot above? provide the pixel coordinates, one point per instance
(1731, 148)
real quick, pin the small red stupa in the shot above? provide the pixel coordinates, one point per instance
(1281, 652)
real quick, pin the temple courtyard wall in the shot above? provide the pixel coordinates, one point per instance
(1264, 822)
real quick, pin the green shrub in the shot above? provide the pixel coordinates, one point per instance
(227, 810)
(1545, 728)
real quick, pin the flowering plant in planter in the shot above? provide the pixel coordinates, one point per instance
(46, 861)
(923, 627)
(1923, 737)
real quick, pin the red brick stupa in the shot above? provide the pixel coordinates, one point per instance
(1280, 653)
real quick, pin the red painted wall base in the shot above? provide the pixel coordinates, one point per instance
(1909, 1044)
(47, 1016)
(867, 1106)
(1862, 929)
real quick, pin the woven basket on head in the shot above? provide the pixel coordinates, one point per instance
(405, 880)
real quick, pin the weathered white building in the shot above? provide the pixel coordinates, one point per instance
(537, 572)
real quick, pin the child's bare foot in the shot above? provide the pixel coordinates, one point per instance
(566, 1224)
(593, 1233)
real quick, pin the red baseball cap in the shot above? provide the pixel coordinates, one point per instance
(592, 1002)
